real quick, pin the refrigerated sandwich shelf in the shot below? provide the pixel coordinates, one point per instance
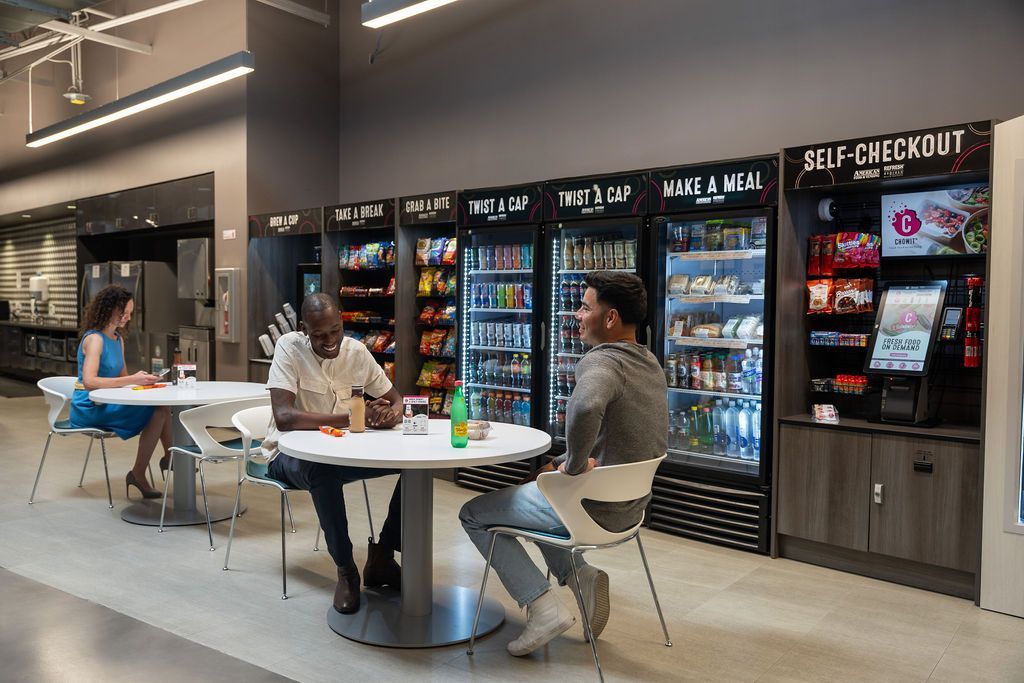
(726, 255)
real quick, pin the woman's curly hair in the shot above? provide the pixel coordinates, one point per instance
(108, 303)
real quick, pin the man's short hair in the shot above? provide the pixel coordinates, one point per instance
(622, 291)
(317, 303)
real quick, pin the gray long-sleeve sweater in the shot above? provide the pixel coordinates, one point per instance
(618, 413)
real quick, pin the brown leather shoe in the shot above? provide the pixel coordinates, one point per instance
(346, 594)
(380, 568)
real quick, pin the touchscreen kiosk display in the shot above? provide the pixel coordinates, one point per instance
(906, 327)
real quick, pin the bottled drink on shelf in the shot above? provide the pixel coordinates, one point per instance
(718, 428)
(749, 373)
(565, 336)
(560, 418)
(577, 342)
(507, 407)
(563, 292)
(743, 430)
(568, 254)
(755, 431)
(563, 385)
(588, 253)
(515, 371)
(475, 405)
(707, 431)
(696, 366)
(734, 372)
(574, 295)
(721, 384)
(526, 370)
(577, 252)
(732, 438)
(670, 370)
(683, 429)
(570, 376)
(516, 408)
(695, 434)
(758, 370)
(707, 374)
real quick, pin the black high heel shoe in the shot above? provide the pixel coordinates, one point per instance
(130, 480)
(165, 464)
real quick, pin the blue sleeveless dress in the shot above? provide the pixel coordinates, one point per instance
(125, 421)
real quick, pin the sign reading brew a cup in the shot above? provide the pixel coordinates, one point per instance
(376, 214)
(749, 182)
(437, 207)
(497, 206)
(930, 152)
(618, 195)
(301, 222)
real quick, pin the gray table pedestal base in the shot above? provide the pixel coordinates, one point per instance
(147, 512)
(380, 620)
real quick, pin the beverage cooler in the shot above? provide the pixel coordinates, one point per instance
(499, 335)
(712, 275)
(591, 224)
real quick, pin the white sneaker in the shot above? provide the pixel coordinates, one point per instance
(546, 619)
(594, 597)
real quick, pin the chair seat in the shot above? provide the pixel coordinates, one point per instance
(533, 534)
(64, 427)
(258, 470)
(234, 444)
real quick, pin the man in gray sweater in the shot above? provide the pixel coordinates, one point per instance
(618, 413)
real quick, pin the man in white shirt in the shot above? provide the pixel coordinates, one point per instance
(310, 384)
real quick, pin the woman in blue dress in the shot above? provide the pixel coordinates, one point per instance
(101, 366)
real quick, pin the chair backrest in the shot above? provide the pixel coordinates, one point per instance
(57, 392)
(253, 423)
(610, 484)
(198, 421)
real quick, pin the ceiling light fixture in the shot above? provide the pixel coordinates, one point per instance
(377, 13)
(193, 81)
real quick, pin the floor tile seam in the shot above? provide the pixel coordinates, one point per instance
(946, 649)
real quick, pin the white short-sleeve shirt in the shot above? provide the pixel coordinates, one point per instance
(321, 385)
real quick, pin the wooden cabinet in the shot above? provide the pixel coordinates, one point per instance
(929, 501)
(824, 476)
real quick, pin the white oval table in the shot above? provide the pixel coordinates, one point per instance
(423, 615)
(182, 511)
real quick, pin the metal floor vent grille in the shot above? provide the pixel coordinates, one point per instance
(708, 512)
(493, 477)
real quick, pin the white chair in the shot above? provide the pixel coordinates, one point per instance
(57, 392)
(198, 422)
(253, 424)
(614, 483)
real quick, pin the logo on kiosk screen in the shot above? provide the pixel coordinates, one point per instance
(906, 223)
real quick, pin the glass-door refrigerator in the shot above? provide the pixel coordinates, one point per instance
(590, 224)
(499, 335)
(712, 271)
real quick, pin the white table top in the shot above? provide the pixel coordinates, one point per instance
(202, 394)
(391, 449)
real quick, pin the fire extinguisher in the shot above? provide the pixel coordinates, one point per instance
(972, 322)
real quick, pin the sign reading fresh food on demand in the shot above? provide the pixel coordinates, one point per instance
(748, 182)
(948, 222)
(619, 195)
(905, 331)
(936, 151)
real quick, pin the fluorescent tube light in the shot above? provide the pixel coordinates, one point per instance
(377, 13)
(204, 77)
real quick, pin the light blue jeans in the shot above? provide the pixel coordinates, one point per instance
(524, 507)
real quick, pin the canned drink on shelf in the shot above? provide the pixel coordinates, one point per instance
(499, 334)
(509, 262)
(527, 296)
(620, 254)
(499, 258)
(517, 257)
(609, 254)
(599, 256)
(519, 296)
(491, 341)
(481, 258)
(527, 255)
(630, 254)
(509, 334)
(526, 334)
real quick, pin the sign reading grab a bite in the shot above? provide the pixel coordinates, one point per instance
(949, 222)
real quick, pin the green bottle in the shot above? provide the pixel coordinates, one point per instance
(460, 426)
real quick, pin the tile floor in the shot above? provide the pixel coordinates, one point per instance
(733, 616)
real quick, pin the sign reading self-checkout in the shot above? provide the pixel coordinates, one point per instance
(520, 204)
(378, 214)
(438, 207)
(302, 222)
(734, 183)
(618, 195)
(933, 151)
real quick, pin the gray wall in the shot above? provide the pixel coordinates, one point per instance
(503, 91)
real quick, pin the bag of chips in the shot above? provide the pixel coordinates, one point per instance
(390, 291)
(426, 372)
(450, 251)
(427, 314)
(389, 370)
(819, 296)
(448, 348)
(445, 315)
(446, 408)
(382, 342)
(423, 251)
(426, 285)
(440, 283)
(438, 374)
(436, 251)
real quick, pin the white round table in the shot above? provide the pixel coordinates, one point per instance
(423, 615)
(182, 511)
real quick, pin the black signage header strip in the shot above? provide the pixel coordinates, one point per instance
(519, 204)
(725, 184)
(438, 207)
(618, 195)
(376, 214)
(301, 222)
(934, 151)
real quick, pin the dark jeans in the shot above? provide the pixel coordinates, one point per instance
(324, 483)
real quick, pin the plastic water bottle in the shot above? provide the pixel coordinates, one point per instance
(517, 409)
(732, 439)
(707, 431)
(475, 405)
(718, 427)
(746, 449)
(755, 431)
(758, 370)
(749, 373)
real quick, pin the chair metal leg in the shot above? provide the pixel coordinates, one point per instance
(654, 594)
(284, 570)
(88, 452)
(369, 514)
(106, 472)
(163, 503)
(41, 461)
(480, 598)
(586, 617)
(206, 506)
(288, 504)
(316, 543)
(234, 516)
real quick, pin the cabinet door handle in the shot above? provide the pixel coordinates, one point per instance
(878, 494)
